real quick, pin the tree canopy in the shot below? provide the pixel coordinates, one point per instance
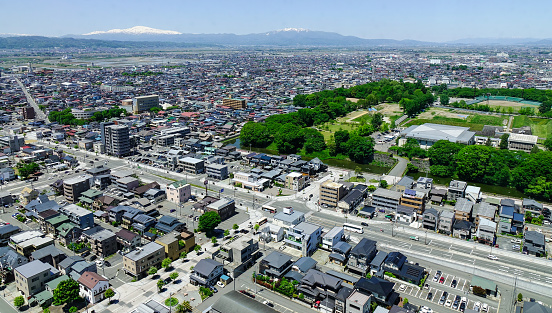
(360, 149)
(66, 291)
(208, 221)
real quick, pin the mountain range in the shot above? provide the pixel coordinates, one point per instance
(147, 37)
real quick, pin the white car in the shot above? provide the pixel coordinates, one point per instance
(492, 257)
(425, 309)
(477, 306)
(220, 284)
(402, 288)
(485, 307)
(448, 303)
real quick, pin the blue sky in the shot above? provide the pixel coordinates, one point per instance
(430, 20)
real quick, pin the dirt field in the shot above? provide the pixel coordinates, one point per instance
(389, 109)
(502, 103)
(430, 113)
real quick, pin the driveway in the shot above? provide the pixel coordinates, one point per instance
(399, 168)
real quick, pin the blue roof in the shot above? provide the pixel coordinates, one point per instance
(410, 192)
(518, 217)
(507, 210)
(224, 277)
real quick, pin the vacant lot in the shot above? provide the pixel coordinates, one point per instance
(540, 127)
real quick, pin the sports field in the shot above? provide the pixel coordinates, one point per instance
(457, 118)
(540, 127)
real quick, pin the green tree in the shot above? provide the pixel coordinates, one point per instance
(66, 291)
(197, 248)
(383, 183)
(472, 162)
(73, 309)
(289, 138)
(504, 141)
(46, 310)
(19, 301)
(152, 271)
(360, 149)
(548, 143)
(341, 137)
(520, 297)
(255, 134)
(444, 99)
(174, 275)
(314, 140)
(208, 222)
(214, 240)
(166, 263)
(226, 233)
(235, 227)
(256, 227)
(332, 148)
(535, 149)
(183, 254)
(109, 293)
(405, 301)
(160, 284)
(26, 169)
(372, 188)
(358, 171)
(377, 120)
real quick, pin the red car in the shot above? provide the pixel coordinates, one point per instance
(442, 280)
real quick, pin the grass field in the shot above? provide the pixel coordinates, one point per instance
(539, 126)
(474, 122)
(328, 129)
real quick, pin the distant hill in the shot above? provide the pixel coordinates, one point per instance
(38, 42)
(494, 41)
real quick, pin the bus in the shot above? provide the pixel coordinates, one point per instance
(270, 209)
(353, 228)
(262, 221)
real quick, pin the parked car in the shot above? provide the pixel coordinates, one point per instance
(220, 284)
(247, 293)
(429, 296)
(477, 306)
(364, 224)
(442, 280)
(402, 288)
(454, 283)
(485, 307)
(448, 303)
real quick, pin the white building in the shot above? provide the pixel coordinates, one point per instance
(92, 287)
(332, 237)
(179, 191)
(272, 232)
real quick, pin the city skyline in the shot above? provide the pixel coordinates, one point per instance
(431, 20)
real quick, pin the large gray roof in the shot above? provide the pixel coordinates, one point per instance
(435, 132)
(206, 266)
(145, 250)
(277, 259)
(235, 302)
(32, 268)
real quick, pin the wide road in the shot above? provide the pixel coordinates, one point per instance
(38, 112)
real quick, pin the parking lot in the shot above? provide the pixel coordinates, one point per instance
(435, 290)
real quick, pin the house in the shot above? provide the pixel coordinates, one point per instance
(436, 196)
(127, 240)
(31, 277)
(142, 222)
(341, 299)
(206, 273)
(295, 181)
(463, 209)
(431, 219)
(9, 260)
(317, 286)
(92, 287)
(534, 243)
(424, 183)
(271, 232)
(138, 262)
(331, 238)
(376, 265)
(534, 307)
(361, 256)
(396, 264)
(167, 224)
(406, 214)
(506, 216)
(304, 237)
(87, 197)
(484, 210)
(446, 221)
(530, 205)
(358, 302)
(65, 266)
(340, 253)
(27, 195)
(486, 231)
(406, 182)
(380, 289)
(351, 201)
(473, 194)
(49, 254)
(6, 231)
(462, 229)
(275, 265)
(304, 264)
(80, 216)
(456, 189)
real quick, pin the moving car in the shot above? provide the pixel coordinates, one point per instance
(268, 303)
(247, 293)
(492, 257)
(364, 224)
(416, 238)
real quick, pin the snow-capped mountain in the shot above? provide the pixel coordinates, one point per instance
(136, 30)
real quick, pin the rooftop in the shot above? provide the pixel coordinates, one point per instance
(143, 251)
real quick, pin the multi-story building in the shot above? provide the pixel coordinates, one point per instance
(28, 113)
(456, 189)
(446, 220)
(206, 272)
(92, 287)
(463, 209)
(235, 104)
(330, 193)
(361, 256)
(522, 142)
(117, 140)
(144, 103)
(103, 242)
(127, 240)
(14, 142)
(73, 187)
(127, 184)
(288, 218)
(431, 219)
(295, 181)
(250, 181)
(414, 199)
(304, 237)
(31, 278)
(275, 264)
(386, 199)
(179, 191)
(225, 208)
(189, 241)
(217, 171)
(237, 254)
(192, 165)
(80, 216)
(170, 245)
(138, 262)
(28, 242)
(358, 302)
(332, 237)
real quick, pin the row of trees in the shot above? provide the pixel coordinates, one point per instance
(65, 117)
(530, 173)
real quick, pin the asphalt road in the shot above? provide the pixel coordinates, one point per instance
(38, 112)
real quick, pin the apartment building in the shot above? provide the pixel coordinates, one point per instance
(79, 216)
(304, 237)
(330, 193)
(295, 181)
(463, 209)
(170, 245)
(179, 191)
(225, 208)
(75, 186)
(144, 103)
(217, 171)
(456, 189)
(414, 199)
(235, 104)
(31, 278)
(192, 165)
(237, 254)
(103, 242)
(13, 142)
(117, 140)
(386, 199)
(138, 262)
